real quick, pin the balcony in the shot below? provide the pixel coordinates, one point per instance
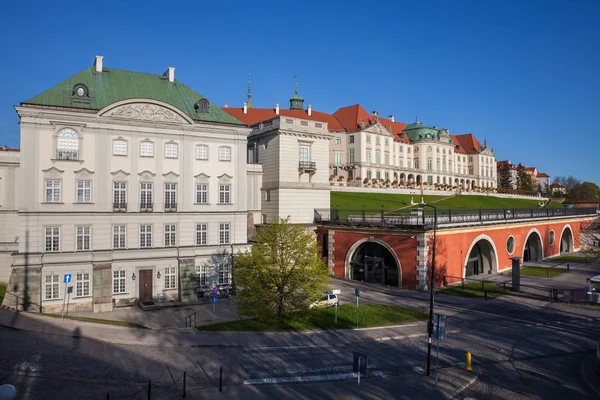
(307, 166)
(170, 207)
(119, 207)
(145, 207)
(72, 155)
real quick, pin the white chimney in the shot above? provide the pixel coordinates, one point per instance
(98, 63)
(276, 109)
(309, 110)
(170, 74)
(226, 106)
(392, 118)
(245, 108)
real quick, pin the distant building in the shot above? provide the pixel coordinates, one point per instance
(537, 178)
(557, 189)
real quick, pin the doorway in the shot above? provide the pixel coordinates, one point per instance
(145, 288)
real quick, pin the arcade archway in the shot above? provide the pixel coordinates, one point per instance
(482, 258)
(533, 249)
(374, 262)
(566, 241)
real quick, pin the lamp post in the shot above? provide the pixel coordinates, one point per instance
(432, 285)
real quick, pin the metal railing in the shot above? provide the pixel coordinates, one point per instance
(381, 218)
(145, 207)
(170, 207)
(190, 321)
(307, 165)
(16, 301)
(119, 206)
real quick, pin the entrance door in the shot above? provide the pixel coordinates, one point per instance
(145, 284)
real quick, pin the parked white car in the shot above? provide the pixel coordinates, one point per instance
(327, 300)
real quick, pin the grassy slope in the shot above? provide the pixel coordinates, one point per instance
(473, 289)
(374, 201)
(369, 315)
(542, 272)
(2, 292)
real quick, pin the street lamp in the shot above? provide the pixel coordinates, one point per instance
(432, 285)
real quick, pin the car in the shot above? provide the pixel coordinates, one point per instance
(327, 300)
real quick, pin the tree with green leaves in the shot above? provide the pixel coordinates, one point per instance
(282, 274)
(524, 181)
(504, 178)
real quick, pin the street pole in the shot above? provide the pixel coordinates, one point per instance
(431, 288)
(357, 312)
(64, 300)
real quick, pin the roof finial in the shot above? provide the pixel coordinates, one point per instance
(249, 102)
(417, 120)
(296, 78)
(296, 102)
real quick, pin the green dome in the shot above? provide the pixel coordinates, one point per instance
(418, 131)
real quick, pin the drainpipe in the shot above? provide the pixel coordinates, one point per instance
(178, 273)
(41, 281)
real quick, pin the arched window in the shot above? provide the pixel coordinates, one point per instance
(67, 145)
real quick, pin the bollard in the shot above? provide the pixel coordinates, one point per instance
(548, 272)
(107, 396)
(485, 294)
(468, 365)
(567, 266)
(184, 383)
(149, 390)
(220, 379)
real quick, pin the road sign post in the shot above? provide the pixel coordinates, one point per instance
(66, 279)
(440, 334)
(215, 300)
(336, 292)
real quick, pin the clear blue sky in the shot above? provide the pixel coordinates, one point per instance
(522, 74)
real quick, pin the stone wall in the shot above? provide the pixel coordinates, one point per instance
(102, 288)
(23, 290)
(187, 280)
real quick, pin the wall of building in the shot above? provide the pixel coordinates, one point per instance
(9, 201)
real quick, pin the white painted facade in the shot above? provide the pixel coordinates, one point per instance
(9, 200)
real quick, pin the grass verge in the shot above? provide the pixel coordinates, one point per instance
(100, 321)
(542, 272)
(574, 259)
(2, 292)
(473, 289)
(369, 315)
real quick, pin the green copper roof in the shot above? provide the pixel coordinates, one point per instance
(113, 85)
(418, 130)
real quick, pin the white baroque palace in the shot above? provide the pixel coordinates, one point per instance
(133, 184)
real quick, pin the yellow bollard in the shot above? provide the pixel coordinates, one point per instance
(469, 361)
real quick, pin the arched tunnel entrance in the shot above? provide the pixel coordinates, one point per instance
(481, 259)
(372, 262)
(566, 241)
(533, 248)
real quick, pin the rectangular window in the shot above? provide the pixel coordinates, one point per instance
(119, 194)
(377, 140)
(51, 287)
(171, 150)
(351, 156)
(224, 233)
(119, 147)
(146, 195)
(351, 139)
(224, 153)
(202, 193)
(378, 174)
(318, 125)
(119, 285)
(338, 158)
(52, 235)
(201, 234)
(84, 191)
(401, 162)
(82, 284)
(170, 278)
(387, 159)
(82, 238)
(386, 142)
(369, 174)
(224, 194)
(368, 139)
(119, 234)
(387, 176)
(201, 152)
(378, 158)
(170, 195)
(145, 235)
(338, 140)
(224, 273)
(147, 149)
(368, 157)
(201, 272)
(53, 191)
(169, 235)
(304, 155)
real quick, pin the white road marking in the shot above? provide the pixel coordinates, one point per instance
(308, 378)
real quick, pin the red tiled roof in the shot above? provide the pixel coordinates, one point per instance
(256, 115)
(468, 142)
(458, 148)
(543, 175)
(530, 169)
(6, 148)
(350, 117)
(556, 185)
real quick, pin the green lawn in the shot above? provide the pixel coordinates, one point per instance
(542, 272)
(369, 315)
(100, 321)
(2, 292)
(473, 289)
(574, 259)
(374, 201)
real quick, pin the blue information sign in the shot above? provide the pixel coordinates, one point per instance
(357, 291)
(215, 300)
(67, 278)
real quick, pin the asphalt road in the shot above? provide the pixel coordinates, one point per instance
(521, 349)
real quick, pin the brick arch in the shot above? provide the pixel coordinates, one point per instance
(572, 244)
(492, 245)
(355, 246)
(532, 230)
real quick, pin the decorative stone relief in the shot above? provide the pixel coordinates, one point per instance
(120, 174)
(84, 173)
(52, 172)
(147, 112)
(146, 175)
(170, 176)
(202, 177)
(225, 178)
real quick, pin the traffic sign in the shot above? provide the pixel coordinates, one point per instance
(357, 291)
(67, 278)
(337, 291)
(215, 299)
(215, 291)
